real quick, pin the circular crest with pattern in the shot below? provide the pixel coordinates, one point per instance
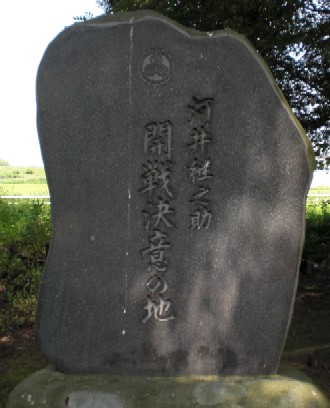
(155, 66)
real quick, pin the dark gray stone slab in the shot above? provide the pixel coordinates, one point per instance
(178, 179)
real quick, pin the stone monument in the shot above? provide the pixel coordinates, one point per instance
(178, 178)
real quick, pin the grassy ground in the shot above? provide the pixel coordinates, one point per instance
(25, 189)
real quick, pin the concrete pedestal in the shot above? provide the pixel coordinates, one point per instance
(52, 389)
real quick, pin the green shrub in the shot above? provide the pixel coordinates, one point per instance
(24, 240)
(317, 242)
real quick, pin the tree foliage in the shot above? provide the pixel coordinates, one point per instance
(293, 36)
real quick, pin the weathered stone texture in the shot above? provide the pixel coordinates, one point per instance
(178, 180)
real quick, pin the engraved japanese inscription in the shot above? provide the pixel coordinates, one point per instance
(157, 215)
(159, 209)
(200, 168)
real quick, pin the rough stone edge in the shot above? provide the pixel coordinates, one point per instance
(294, 389)
(130, 17)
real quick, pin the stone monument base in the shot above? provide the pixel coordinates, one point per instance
(52, 389)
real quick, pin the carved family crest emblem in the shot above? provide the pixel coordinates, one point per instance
(155, 66)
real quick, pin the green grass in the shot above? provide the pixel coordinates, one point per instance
(321, 189)
(24, 189)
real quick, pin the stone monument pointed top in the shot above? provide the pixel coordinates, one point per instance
(178, 179)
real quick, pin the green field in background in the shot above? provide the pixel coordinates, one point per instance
(24, 189)
(11, 174)
(23, 181)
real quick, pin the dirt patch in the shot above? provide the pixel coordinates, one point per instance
(19, 358)
(308, 343)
